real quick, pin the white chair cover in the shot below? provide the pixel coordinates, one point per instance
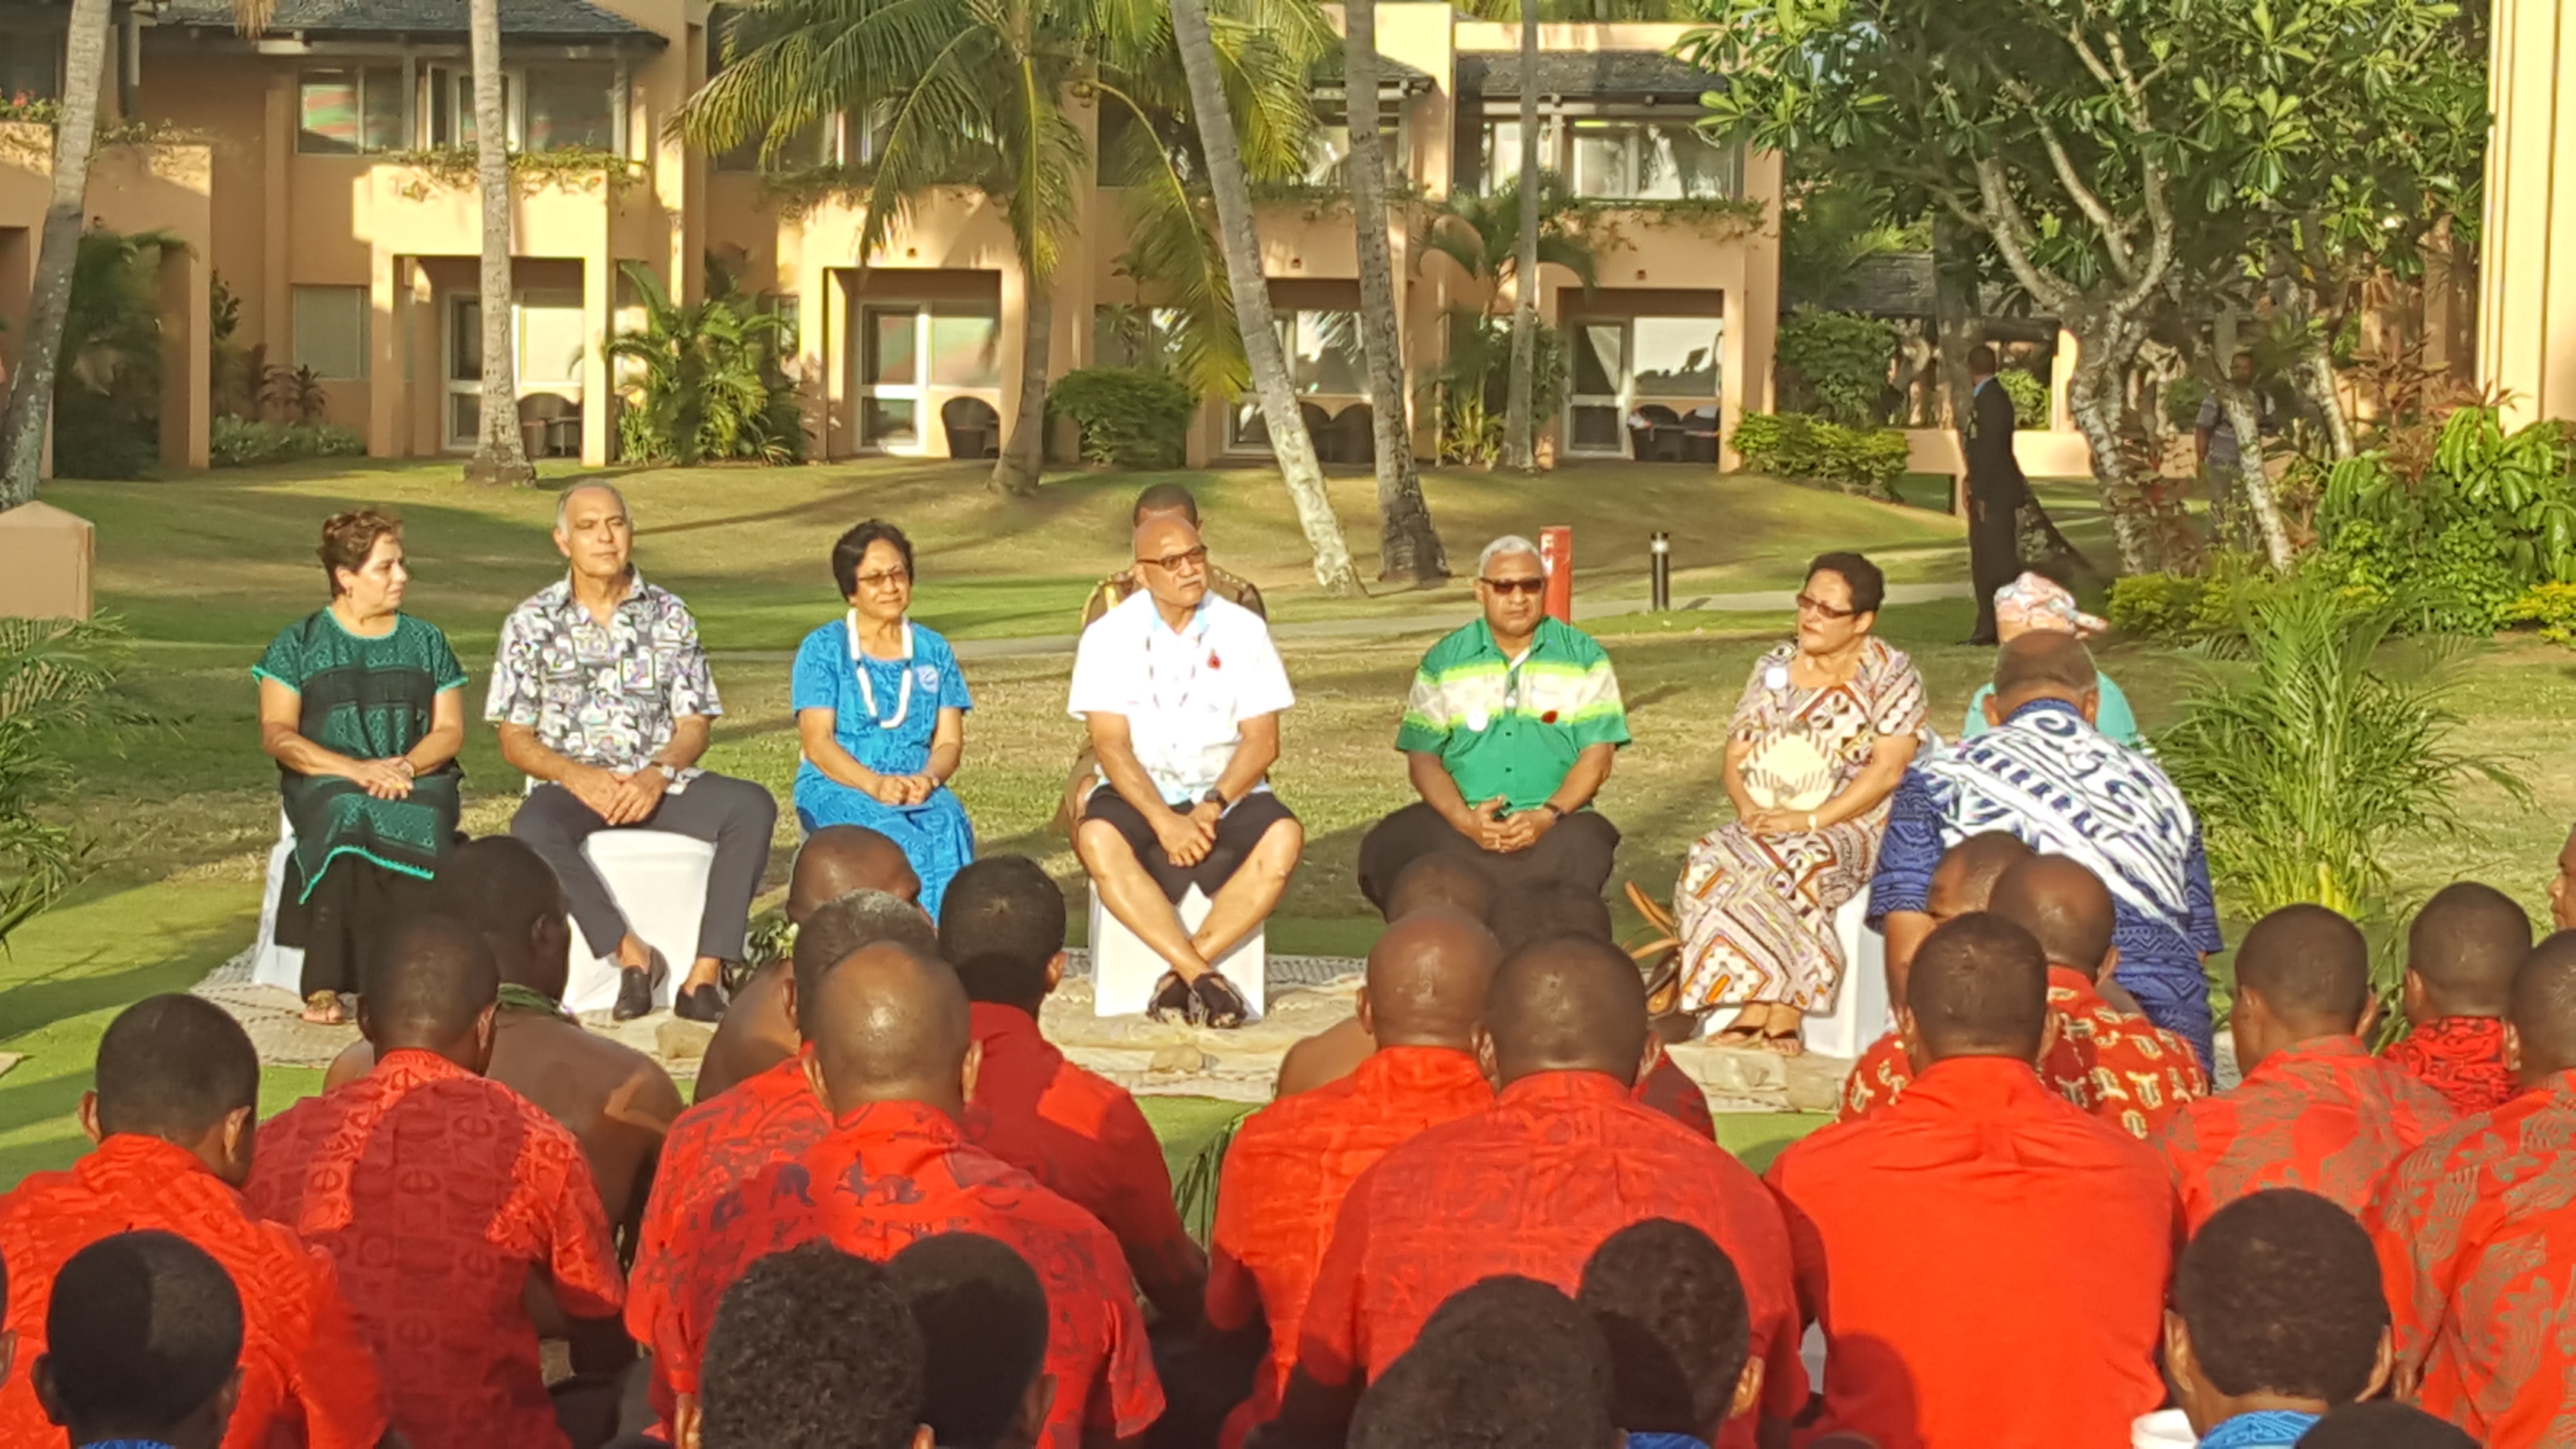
(660, 881)
(1859, 1014)
(272, 964)
(1124, 969)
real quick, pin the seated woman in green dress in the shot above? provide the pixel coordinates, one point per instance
(359, 704)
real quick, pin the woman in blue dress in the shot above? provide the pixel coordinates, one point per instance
(881, 712)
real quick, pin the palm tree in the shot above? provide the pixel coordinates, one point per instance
(1408, 544)
(31, 392)
(499, 454)
(1288, 441)
(709, 385)
(1520, 449)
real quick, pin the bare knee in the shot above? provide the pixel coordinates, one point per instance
(1097, 843)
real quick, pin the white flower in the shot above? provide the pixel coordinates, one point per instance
(1776, 677)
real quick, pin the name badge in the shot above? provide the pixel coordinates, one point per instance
(927, 674)
(1477, 719)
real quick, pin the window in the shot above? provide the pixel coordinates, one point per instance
(1502, 143)
(1658, 372)
(569, 107)
(331, 331)
(1650, 161)
(1127, 335)
(907, 351)
(344, 112)
(551, 338)
(964, 348)
(31, 65)
(1676, 357)
(1324, 353)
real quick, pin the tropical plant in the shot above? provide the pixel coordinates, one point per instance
(233, 442)
(2552, 606)
(1864, 460)
(107, 393)
(1831, 223)
(1481, 233)
(296, 394)
(2455, 519)
(1473, 383)
(54, 674)
(1289, 444)
(1408, 543)
(1127, 417)
(2323, 749)
(2029, 397)
(707, 383)
(2103, 151)
(500, 452)
(1837, 364)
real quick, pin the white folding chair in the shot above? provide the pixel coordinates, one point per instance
(272, 964)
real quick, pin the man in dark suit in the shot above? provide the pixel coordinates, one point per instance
(1996, 491)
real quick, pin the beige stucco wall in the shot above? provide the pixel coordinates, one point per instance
(2527, 270)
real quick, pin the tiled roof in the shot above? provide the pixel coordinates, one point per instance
(520, 19)
(1587, 73)
(1327, 72)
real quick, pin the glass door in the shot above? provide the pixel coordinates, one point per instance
(462, 403)
(1597, 400)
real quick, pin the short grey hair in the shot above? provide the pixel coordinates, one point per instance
(858, 920)
(563, 500)
(1508, 543)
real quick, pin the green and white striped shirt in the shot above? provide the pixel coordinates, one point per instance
(1512, 728)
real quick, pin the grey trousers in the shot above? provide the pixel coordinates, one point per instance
(735, 816)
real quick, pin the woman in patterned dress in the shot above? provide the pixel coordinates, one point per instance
(1824, 731)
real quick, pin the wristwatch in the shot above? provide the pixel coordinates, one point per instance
(1214, 796)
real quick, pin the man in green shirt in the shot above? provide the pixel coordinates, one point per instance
(1508, 734)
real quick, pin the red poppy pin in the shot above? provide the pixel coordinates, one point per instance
(1213, 661)
(1548, 718)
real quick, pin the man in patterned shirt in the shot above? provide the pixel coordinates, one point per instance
(2461, 953)
(2476, 1231)
(1510, 731)
(439, 1278)
(2316, 1110)
(603, 698)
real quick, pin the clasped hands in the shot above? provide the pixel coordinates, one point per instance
(384, 779)
(1504, 833)
(1188, 835)
(619, 797)
(900, 789)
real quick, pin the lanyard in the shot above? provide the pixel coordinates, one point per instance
(867, 691)
(1197, 641)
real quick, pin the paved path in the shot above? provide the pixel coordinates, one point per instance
(1438, 620)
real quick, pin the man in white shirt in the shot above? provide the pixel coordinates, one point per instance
(1182, 691)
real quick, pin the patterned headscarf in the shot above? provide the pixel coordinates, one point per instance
(2036, 602)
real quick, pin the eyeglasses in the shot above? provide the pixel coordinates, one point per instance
(1531, 587)
(888, 576)
(1171, 563)
(1810, 604)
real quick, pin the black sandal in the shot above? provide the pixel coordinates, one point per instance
(1173, 1001)
(1220, 1005)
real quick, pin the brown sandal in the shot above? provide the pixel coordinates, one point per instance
(322, 1008)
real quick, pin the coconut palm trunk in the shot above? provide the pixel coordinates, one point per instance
(1520, 429)
(1408, 545)
(1251, 291)
(1020, 460)
(499, 455)
(31, 392)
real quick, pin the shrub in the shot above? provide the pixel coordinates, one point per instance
(1841, 361)
(711, 387)
(239, 443)
(107, 381)
(1129, 417)
(2182, 398)
(2161, 607)
(2321, 751)
(1793, 445)
(2552, 606)
(55, 676)
(2029, 397)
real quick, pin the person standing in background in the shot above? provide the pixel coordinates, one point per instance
(1996, 491)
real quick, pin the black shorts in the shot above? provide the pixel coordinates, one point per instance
(1237, 832)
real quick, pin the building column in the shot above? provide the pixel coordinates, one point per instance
(2527, 273)
(2061, 371)
(1738, 390)
(599, 400)
(276, 315)
(386, 382)
(187, 363)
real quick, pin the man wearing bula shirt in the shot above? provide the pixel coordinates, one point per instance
(1508, 734)
(1182, 693)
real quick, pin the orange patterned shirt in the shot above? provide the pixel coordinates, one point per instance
(1532, 1185)
(2461, 1057)
(307, 1378)
(2477, 1247)
(2122, 1068)
(2324, 1115)
(1669, 1090)
(1286, 1174)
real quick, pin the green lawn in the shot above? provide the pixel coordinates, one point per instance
(205, 570)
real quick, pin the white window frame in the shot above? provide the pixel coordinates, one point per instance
(362, 319)
(452, 386)
(455, 81)
(1626, 399)
(366, 77)
(924, 392)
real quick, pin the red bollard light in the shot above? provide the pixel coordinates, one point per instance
(1556, 555)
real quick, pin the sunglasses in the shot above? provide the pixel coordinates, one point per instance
(1810, 604)
(1532, 587)
(1171, 563)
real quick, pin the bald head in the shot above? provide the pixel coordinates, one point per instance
(2310, 966)
(1427, 979)
(431, 982)
(1441, 878)
(1567, 1004)
(2464, 947)
(839, 859)
(1979, 989)
(2542, 1009)
(1965, 879)
(889, 1024)
(2043, 664)
(2064, 906)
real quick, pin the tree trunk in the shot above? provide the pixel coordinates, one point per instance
(2095, 395)
(1022, 456)
(1956, 329)
(1408, 545)
(1520, 432)
(2237, 404)
(2315, 377)
(31, 392)
(499, 455)
(1251, 291)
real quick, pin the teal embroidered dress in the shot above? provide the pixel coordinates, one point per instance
(369, 699)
